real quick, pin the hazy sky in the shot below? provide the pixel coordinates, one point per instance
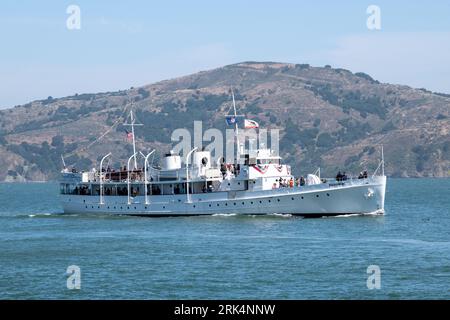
(139, 42)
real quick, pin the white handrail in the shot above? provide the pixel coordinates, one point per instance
(101, 178)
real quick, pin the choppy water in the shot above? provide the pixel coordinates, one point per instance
(226, 257)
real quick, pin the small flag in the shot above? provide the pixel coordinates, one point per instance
(250, 124)
(129, 134)
(231, 120)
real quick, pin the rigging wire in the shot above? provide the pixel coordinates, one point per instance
(83, 149)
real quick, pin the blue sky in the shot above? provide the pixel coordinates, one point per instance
(139, 42)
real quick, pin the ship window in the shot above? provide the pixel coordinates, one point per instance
(328, 194)
(128, 208)
(243, 203)
(292, 198)
(317, 195)
(164, 207)
(239, 183)
(134, 208)
(226, 204)
(86, 207)
(210, 205)
(260, 201)
(114, 207)
(269, 201)
(217, 204)
(278, 200)
(234, 203)
(145, 208)
(302, 197)
(194, 205)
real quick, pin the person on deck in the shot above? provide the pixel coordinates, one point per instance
(302, 181)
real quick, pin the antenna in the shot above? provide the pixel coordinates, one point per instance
(132, 124)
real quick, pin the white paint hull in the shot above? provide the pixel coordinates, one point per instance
(353, 197)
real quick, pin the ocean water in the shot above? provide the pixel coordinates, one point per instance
(227, 257)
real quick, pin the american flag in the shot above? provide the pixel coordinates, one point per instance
(129, 134)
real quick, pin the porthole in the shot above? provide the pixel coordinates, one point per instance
(114, 207)
(86, 207)
(98, 207)
(145, 208)
(218, 204)
(164, 207)
(243, 203)
(270, 200)
(260, 201)
(226, 204)
(209, 205)
(234, 203)
(239, 183)
(317, 195)
(193, 206)
(135, 208)
(292, 198)
(302, 198)
(328, 194)
(278, 200)
(251, 202)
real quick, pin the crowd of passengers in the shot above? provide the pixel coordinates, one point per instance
(289, 183)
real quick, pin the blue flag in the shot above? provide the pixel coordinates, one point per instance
(231, 120)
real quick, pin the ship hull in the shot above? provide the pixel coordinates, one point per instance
(350, 197)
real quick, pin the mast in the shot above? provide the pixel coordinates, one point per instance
(132, 124)
(134, 140)
(236, 132)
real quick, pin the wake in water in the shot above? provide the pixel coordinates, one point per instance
(282, 215)
(270, 215)
(369, 214)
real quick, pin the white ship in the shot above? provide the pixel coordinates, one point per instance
(195, 185)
